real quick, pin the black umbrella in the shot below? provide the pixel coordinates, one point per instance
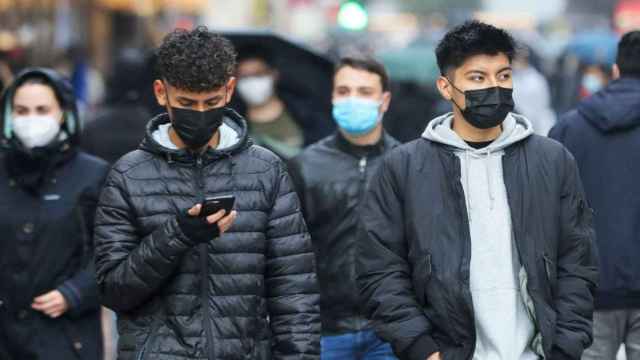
(305, 80)
(302, 70)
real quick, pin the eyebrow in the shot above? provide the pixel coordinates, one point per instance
(32, 106)
(482, 72)
(363, 87)
(215, 98)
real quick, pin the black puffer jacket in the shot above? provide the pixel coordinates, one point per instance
(48, 197)
(414, 252)
(331, 177)
(250, 294)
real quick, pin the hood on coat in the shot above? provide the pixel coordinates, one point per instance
(64, 93)
(616, 107)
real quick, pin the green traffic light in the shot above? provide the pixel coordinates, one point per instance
(353, 16)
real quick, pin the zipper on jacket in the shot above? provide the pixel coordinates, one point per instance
(154, 328)
(144, 348)
(465, 266)
(204, 264)
(362, 169)
(547, 266)
(362, 165)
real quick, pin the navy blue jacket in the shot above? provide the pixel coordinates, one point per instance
(603, 134)
(48, 198)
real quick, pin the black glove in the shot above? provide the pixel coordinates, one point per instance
(197, 229)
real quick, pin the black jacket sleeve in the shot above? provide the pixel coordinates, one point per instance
(384, 271)
(81, 290)
(298, 182)
(130, 268)
(293, 298)
(577, 271)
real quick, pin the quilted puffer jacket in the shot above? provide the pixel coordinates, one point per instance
(248, 294)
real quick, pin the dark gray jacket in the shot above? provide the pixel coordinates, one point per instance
(331, 177)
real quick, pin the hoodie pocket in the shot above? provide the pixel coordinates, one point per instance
(420, 276)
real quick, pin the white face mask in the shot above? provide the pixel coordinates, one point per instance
(256, 90)
(35, 130)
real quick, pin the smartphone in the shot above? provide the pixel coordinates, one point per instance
(212, 205)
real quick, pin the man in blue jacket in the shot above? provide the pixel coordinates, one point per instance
(603, 134)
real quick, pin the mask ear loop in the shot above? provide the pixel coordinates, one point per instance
(166, 94)
(458, 90)
(226, 95)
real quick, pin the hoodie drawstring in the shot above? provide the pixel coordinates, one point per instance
(487, 166)
(467, 196)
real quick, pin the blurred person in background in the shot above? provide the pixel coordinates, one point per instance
(531, 94)
(594, 77)
(271, 123)
(120, 123)
(331, 176)
(87, 81)
(6, 74)
(49, 307)
(603, 133)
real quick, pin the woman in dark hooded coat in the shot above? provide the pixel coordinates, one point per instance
(49, 306)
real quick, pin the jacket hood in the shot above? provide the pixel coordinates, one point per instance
(231, 119)
(515, 128)
(616, 107)
(64, 92)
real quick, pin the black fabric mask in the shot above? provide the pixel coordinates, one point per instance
(486, 108)
(195, 128)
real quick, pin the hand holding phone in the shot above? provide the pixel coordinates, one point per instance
(212, 205)
(206, 221)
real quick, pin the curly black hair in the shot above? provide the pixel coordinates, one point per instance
(197, 60)
(470, 39)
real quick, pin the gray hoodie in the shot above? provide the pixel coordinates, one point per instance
(504, 327)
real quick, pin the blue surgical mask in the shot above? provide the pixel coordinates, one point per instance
(356, 116)
(592, 83)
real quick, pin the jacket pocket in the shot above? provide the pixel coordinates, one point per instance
(420, 276)
(550, 272)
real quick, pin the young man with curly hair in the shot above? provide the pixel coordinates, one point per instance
(478, 242)
(238, 285)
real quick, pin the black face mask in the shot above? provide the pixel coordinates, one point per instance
(486, 108)
(195, 128)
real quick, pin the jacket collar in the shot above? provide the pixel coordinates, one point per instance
(348, 147)
(232, 119)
